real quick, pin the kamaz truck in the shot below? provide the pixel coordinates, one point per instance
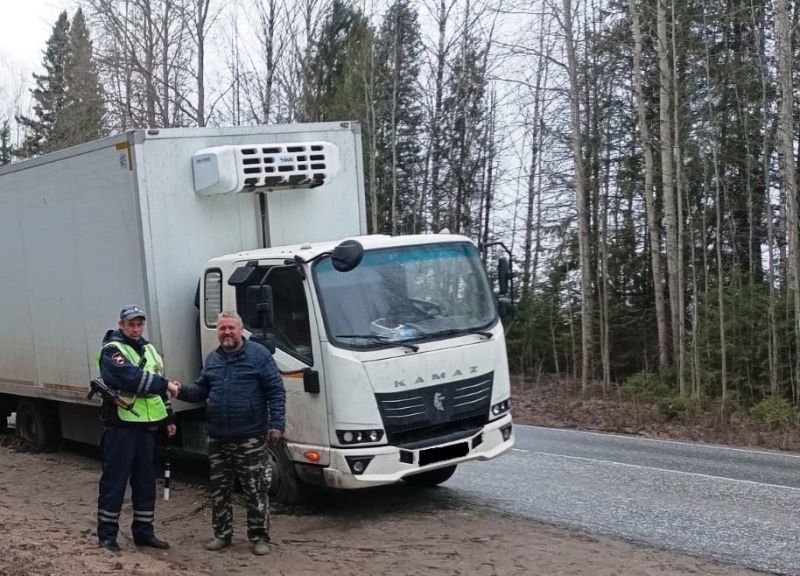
(391, 348)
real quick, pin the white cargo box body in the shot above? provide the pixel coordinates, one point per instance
(89, 229)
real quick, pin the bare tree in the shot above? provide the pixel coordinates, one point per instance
(667, 176)
(653, 224)
(718, 206)
(581, 199)
(153, 55)
(766, 153)
(433, 164)
(198, 18)
(789, 169)
(680, 327)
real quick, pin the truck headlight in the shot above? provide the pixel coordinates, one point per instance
(501, 407)
(359, 436)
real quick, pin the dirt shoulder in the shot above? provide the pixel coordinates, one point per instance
(559, 404)
(47, 518)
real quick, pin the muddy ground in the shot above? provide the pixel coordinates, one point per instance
(48, 503)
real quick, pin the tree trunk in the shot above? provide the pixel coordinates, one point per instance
(581, 201)
(681, 326)
(395, 79)
(723, 349)
(788, 168)
(432, 184)
(766, 149)
(653, 224)
(667, 182)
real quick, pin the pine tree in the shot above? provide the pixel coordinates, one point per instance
(337, 69)
(339, 84)
(463, 118)
(398, 118)
(81, 119)
(6, 150)
(50, 93)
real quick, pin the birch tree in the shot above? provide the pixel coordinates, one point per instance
(581, 199)
(789, 169)
(667, 176)
(653, 223)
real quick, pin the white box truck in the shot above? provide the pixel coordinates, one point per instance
(391, 349)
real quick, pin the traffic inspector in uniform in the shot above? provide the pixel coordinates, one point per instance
(132, 366)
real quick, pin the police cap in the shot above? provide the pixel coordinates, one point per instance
(132, 311)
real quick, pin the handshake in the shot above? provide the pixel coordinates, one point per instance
(173, 388)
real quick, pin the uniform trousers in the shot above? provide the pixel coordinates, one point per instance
(127, 457)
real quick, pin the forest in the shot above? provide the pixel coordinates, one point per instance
(637, 159)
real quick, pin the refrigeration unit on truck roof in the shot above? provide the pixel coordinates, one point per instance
(263, 167)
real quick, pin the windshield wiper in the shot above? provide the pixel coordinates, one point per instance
(381, 339)
(459, 332)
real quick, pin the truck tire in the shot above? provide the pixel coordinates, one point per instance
(284, 485)
(37, 424)
(431, 478)
(4, 414)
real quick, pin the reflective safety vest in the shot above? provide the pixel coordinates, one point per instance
(150, 407)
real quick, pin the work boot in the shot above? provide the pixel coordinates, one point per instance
(218, 544)
(110, 545)
(260, 547)
(151, 542)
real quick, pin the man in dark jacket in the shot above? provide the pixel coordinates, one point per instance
(245, 408)
(131, 365)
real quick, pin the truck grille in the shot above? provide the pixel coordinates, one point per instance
(413, 415)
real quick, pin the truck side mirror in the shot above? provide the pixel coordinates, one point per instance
(260, 304)
(347, 255)
(503, 274)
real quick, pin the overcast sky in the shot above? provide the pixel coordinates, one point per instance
(25, 27)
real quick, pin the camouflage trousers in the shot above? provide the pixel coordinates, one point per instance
(247, 460)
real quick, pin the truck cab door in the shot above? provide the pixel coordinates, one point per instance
(288, 326)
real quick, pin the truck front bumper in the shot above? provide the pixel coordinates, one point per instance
(389, 464)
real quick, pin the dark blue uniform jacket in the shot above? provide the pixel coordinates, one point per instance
(243, 391)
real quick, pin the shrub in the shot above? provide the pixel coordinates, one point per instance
(671, 406)
(647, 387)
(677, 405)
(774, 411)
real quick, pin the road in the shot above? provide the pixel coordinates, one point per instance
(738, 506)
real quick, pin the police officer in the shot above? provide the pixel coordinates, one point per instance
(131, 365)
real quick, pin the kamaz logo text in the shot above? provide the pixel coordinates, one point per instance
(438, 376)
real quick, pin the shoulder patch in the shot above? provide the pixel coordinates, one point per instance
(118, 358)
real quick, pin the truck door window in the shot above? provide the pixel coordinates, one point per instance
(212, 297)
(290, 330)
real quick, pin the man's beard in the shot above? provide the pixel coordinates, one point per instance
(229, 343)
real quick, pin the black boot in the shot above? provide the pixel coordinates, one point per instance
(151, 542)
(110, 545)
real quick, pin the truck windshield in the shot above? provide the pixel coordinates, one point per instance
(403, 294)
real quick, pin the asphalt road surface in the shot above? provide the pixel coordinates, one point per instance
(738, 506)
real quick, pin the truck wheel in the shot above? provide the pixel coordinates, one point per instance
(4, 414)
(37, 424)
(284, 485)
(431, 478)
